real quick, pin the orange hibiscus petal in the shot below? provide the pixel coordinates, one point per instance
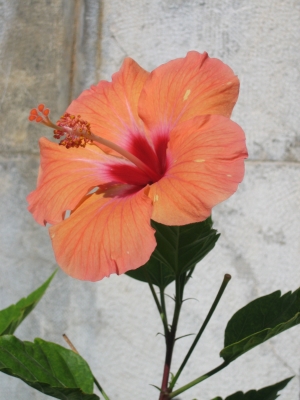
(206, 164)
(111, 107)
(66, 175)
(105, 235)
(185, 88)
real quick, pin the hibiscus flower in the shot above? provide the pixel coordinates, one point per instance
(145, 146)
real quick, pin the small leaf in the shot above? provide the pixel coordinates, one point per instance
(47, 367)
(267, 393)
(12, 316)
(259, 321)
(156, 387)
(183, 336)
(179, 249)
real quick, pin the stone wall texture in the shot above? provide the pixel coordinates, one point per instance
(49, 52)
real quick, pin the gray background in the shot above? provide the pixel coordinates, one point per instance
(49, 52)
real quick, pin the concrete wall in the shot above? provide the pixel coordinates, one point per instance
(49, 52)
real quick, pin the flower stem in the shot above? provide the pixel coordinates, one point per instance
(225, 282)
(198, 380)
(160, 307)
(170, 338)
(163, 306)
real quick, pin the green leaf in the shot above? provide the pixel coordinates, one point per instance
(267, 393)
(179, 249)
(47, 367)
(12, 316)
(259, 321)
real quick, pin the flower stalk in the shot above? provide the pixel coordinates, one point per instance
(224, 284)
(171, 337)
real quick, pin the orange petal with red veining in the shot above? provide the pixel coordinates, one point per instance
(111, 107)
(66, 175)
(105, 235)
(185, 88)
(206, 164)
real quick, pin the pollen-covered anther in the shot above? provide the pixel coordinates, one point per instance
(73, 131)
(70, 129)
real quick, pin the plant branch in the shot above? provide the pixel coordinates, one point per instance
(161, 310)
(164, 310)
(225, 282)
(198, 380)
(170, 339)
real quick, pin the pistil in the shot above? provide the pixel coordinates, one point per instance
(77, 133)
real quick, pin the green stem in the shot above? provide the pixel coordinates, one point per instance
(198, 380)
(101, 389)
(225, 282)
(164, 310)
(155, 298)
(170, 339)
(161, 310)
